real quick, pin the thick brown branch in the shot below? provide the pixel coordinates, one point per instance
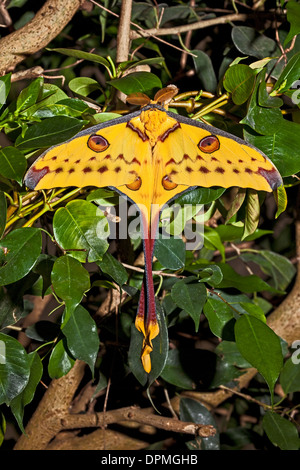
(134, 414)
(54, 406)
(37, 33)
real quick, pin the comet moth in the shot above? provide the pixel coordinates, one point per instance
(152, 156)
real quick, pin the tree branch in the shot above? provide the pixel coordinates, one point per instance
(188, 27)
(123, 38)
(37, 33)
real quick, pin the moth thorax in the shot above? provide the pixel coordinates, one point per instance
(153, 119)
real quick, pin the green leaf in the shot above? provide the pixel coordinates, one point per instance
(25, 397)
(13, 164)
(111, 266)
(170, 252)
(70, 281)
(229, 350)
(218, 314)
(84, 86)
(249, 42)
(289, 75)
(14, 368)
(239, 80)
(205, 70)
(234, 232)
(260, 346)
(236, 204)
(5, 85)
(174, 372)
(60, 362)
(290, 376)
(281, 147)
(11, 308)
(200, 196)
(275, 265)
(231, 232)
(212, 241)
(263, 120)
(49, 132)
(248, 284)
(82, 227)
(78, 54)
(3, 211)
(29, 95)
(190, 297)
(158, 355)
(212, 274)
(68, 107)
(192, 411)
(281, 200)
(266, 100)
(136, 82)
(19, 251)
(82, 337)
(281, 432)
(293, 17)
(252, 213)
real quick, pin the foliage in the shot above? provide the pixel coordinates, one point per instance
(219, 294)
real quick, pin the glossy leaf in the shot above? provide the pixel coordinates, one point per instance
(251, 283)
(281, 200)
(14, 368)
(29, 95)
(260, 346)
(170, 252)
(12, 164)
(252, 213)
(200, 196)
(263, 120)
(70, 280)
(205, 70)
(218, 314)
(11, 309)
(281, 432)
(239, 80)
(111, 266)
(191, 298)
(26, 396)
(249, 42)
(78, 54)
(281, 147)
(60, 361)
(265, 99)
(275, 265)
(82, 337)
(20, 251)
(136, 82)
(293, 17)
(84, 86)
(81, 229)
(49, 132)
